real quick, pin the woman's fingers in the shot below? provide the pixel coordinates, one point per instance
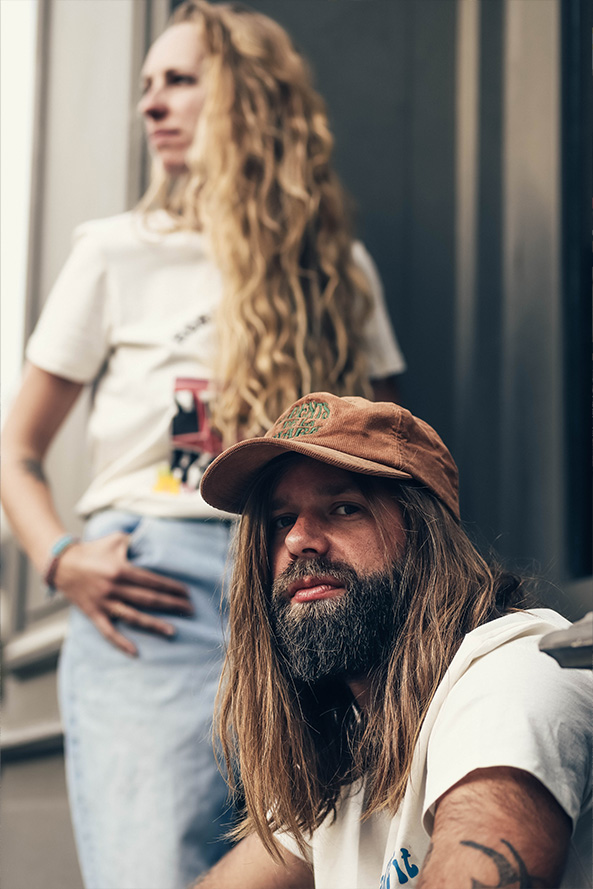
(118, 610)
(141, 577)
(106, 628)
(152, 600)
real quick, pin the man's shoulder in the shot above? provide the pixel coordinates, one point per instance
(529, 624)
(504, 702)
(500, 668)
(505, 654)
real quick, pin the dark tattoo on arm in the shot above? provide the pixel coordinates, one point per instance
(509, 873)
(35, 469)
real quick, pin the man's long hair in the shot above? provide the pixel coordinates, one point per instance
(298, 746)
(260, 184)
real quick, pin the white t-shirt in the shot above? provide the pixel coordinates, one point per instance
(132, 312)
(502, 702)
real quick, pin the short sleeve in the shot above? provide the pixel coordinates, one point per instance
(515, 707)
(383, 351)
(71, 338)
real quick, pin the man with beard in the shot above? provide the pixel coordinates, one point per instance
(384, 697)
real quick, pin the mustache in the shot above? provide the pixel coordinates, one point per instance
(301, 568)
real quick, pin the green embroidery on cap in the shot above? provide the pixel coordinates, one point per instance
(304, 419)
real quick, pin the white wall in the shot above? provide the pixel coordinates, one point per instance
(18, 27)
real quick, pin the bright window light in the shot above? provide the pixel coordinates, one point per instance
(18, 26)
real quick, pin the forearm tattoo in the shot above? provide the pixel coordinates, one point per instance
(509, 873)
(35, 469)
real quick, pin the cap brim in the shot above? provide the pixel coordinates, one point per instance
(228, 480)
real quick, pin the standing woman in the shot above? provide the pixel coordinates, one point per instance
(231, 291)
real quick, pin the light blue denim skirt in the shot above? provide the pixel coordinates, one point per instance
(148, 803)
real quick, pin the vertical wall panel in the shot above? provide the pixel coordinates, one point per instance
(531, 448)
(479, 149)
(427, 251)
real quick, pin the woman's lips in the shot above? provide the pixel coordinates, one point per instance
(308, 589)
(163, 136)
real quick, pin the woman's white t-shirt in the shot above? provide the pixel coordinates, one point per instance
(132, 312)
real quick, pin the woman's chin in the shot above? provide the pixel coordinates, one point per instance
(172, 165)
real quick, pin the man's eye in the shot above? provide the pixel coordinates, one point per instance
(281, 522)
(347, 509)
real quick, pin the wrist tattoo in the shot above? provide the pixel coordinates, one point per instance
(35, 469)
(509, 873)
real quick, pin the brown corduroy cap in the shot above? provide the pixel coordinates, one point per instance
(373, 438)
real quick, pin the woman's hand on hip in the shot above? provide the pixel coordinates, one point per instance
(98, 578)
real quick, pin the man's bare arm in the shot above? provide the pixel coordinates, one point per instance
(498, 827)
(249, 866)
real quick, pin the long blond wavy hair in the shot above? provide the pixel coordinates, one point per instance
(297, 746)
(261, 185)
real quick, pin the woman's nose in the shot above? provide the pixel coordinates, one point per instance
(153, 105)
(307, 537)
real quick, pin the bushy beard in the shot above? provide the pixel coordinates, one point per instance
(348, 635)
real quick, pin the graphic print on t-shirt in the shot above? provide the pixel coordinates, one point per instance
(400, 868)
(194, 442)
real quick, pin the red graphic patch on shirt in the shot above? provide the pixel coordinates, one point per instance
(194, 442)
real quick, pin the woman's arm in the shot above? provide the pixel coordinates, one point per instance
(96, 576)
(41, 406)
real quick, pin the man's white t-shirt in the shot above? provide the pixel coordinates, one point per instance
(502, 702)
(132, 312)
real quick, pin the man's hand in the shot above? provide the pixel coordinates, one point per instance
(497, 827)
(97, 577)
(249, 866)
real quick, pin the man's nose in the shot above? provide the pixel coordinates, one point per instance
(307, 537)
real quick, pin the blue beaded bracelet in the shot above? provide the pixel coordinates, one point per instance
(58, 549)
